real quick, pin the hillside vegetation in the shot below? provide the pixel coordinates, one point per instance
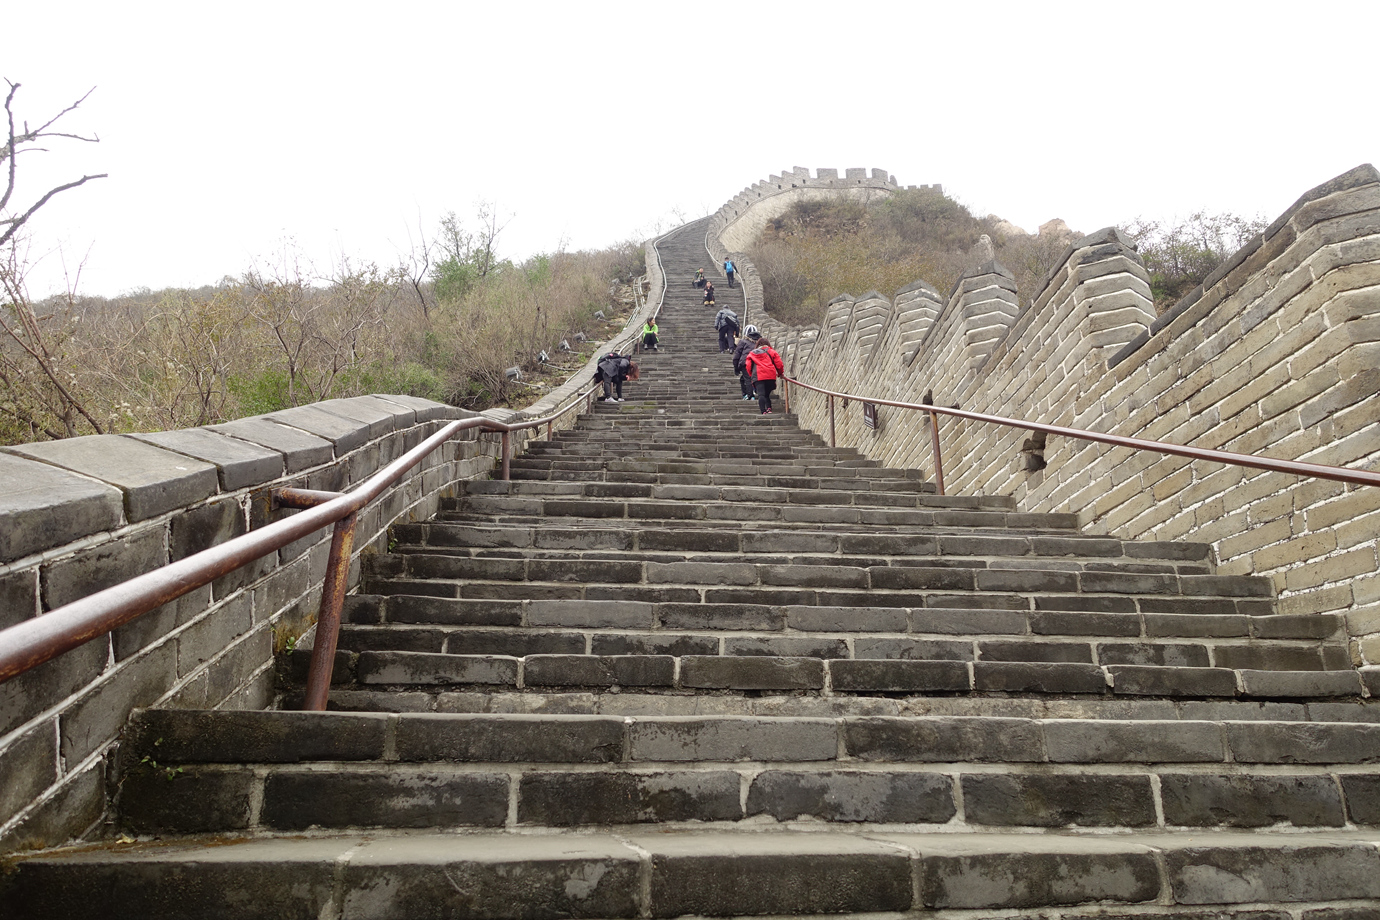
(819, 250)
(444, 324)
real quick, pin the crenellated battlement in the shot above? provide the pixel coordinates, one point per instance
(1270, 356)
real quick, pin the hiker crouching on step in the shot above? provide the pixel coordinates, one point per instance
(612, 370)
(649, 334)
(726, 321)
(709, 293)
(746, 344)
(764, 366)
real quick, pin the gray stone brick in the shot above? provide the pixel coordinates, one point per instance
(1303, 742)
(982, 874)
(1110, 741)
(601, 614)
(653, 644)
(566, 799)
(159, 798)
(394, 799)
(599, 671)
(1034, 650)
(871, 676)
(1286, 871)
(1300, 684)
(459, 876)
(913, 649)
(345, 434)
(963, 622)
(101, 567)
(96, 718)
(238, 464)
(751, 617)
(1362, 792)
(256, 737)
(510, 739)
(943, 740)
(1038, 677)
(1028, 800)
(786, 646)
(299, 450)
(433, 669)
(42, 507)
(18, 597)
(851, 795)
(401, 608)
(1244, 800)
(732, 739)
(153, 481)
(29, 763)
(762, 876)
(846, 619)
(1163, 654)
(1137, 680)
(1080, 623)
(751, 673)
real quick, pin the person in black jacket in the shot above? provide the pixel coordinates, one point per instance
(746, 344)
(611, 371)
(726, 321)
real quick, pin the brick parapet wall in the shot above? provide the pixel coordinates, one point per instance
(1278, 354)
(80, 515)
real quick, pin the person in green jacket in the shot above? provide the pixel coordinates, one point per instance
(649, 334)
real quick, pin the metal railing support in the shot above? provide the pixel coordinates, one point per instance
(333, 593)
(505, 449)
(938, 458)
(833, 441)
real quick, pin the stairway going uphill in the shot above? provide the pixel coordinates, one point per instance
(693, 661)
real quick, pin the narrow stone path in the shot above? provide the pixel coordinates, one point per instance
(694, 661)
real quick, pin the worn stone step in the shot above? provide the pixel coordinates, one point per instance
(622, 569)
(909, 510)
(222, 798)
(860, 623)
(697, 872)
(413, 656)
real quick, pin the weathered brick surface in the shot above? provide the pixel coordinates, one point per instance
(162, 497)
(1272, 356)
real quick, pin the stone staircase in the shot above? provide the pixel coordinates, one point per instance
(693, 661)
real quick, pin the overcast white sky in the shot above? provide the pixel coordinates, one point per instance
(230, 128)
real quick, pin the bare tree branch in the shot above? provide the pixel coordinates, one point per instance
(23, 139)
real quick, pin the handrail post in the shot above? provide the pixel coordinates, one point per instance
(548, 431)
(832, 439)
(938, 459)
(505, 450)
(328, 618)
(786, 392)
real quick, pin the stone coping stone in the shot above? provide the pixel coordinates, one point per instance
(42, 506)
(382, 418)
(154, 481)
(426, 410)
(239, 463)
(345, 433)
(300, 450)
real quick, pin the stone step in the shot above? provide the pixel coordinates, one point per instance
(976, 576)
(837, 491)
(487, 874)
(891, 509)
(1014, 550)
(862, 469)
(858, 624)
(474, 655)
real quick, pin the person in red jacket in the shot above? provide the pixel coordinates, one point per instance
(764, 366)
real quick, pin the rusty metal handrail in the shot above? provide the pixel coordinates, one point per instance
(1272, 464)
(31, 643)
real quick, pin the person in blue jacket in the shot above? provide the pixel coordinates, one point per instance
(729, 269)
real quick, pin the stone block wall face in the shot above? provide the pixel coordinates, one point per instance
(87, 513)
(84, 514)
(1278, 354)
